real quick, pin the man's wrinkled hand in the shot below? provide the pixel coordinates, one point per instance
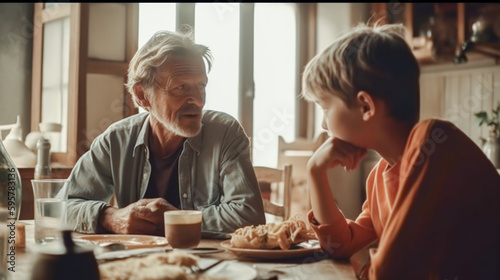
(142, 217)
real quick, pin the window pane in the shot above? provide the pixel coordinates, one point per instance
(274, 72)
(217, 27)
(55, 80)
(154, 17)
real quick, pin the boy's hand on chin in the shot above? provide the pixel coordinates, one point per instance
(336, 152)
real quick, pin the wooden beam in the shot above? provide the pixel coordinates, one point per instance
(132, 40)
(246, 89)
(36, 75)
(461, 23)
(379, 13)
(306, 46)
(116, 68)
(132, 31)
(76, 140)
(409, 23)
(185, 16)
(55, 12)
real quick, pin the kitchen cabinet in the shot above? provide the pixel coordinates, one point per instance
(437, 31)
(451, 91)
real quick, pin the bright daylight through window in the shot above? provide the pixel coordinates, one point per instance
(218, 27)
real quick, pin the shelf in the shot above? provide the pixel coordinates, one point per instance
(442, 28)
(475, 60)
(492, 49)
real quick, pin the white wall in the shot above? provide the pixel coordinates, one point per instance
(16, 43)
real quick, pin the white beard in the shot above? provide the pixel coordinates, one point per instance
(187, 132)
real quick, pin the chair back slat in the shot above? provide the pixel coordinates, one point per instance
(283, 178)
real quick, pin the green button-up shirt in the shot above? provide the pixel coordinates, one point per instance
(216, 174)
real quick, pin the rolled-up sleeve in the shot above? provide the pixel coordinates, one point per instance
(90, 188)
(344, 239)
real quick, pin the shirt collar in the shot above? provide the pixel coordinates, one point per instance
(142, 138)
(196, 141)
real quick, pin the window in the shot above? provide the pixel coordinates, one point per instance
(217, 26)
(274, 74)
(257, 63)
(55, 80)
(260, 50)
(153, 17)
(77, 81)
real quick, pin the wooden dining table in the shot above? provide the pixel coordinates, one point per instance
(314, 266)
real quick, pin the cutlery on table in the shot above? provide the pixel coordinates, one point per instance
(197, 270)
(122, 254)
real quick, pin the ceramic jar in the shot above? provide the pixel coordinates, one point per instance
(65, 261)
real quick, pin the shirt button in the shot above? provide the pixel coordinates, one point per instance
(184, 195)
(145, 176)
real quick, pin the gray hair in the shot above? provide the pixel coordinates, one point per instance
(375, 59)
(162, 45)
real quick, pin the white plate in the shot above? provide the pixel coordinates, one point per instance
(123, 254)
(201, 250)
(131, 241)
(296, 252)
(230, 269)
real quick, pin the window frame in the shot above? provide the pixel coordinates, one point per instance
(306, 46)
(79, 66)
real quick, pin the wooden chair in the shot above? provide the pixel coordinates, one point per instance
(279, 179)
(297, 154)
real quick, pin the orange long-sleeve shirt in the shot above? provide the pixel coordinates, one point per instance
(435, 214)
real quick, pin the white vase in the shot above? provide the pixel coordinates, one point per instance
(492, 150)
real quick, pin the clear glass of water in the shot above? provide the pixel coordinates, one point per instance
(51, 198)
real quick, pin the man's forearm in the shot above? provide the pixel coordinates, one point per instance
(105, 220)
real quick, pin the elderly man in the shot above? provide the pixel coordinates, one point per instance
(175, 156)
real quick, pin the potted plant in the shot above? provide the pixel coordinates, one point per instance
(491, 146)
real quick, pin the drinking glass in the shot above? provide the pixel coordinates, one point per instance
(50, 208)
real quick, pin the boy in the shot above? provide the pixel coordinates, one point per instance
(433, 200)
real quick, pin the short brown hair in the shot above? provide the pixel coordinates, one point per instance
(374, 59)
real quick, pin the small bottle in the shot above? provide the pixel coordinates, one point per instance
(42, 169)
